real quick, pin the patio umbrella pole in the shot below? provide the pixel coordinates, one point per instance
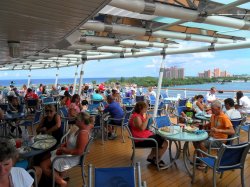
(74, 86)
(159, 86)
(80, 81)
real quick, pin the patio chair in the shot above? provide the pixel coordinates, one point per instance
(32, 105)
(32, 123)
(115, 176)
(229, 157)
(151, 101)
(124, 122)
(96, 102)
(47, 100)
(237, 123)
(160, 109)
(139, 98)
(134, 147)
(246, 128)
(32, 172)
(4, 106)
(230, 140)
(182, 102)
(81, 163)
(24, 164)
(127, 101)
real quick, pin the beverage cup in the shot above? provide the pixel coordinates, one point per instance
(31, 140)
(18, 143)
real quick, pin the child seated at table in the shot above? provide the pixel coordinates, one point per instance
(84, 104)
(187, 114)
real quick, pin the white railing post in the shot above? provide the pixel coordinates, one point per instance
(159, 86)
(185, 93)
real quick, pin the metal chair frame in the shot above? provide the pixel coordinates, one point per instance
(81, 163)
(136, 174)
(124, 122)
(217, 167)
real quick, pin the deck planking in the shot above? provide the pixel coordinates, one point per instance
(115, 153)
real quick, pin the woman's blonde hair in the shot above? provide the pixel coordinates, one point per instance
(85, 117)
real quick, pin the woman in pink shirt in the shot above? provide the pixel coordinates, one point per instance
(138, 125)
(75, 106)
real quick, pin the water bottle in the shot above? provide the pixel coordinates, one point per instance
(25, 137)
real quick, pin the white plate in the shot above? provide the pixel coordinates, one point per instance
(175, 131)
(43, 137)
(44, 144)
(191, 129)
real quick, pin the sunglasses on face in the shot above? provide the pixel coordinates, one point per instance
(47, 111)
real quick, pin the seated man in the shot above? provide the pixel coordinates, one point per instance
(97, 96)
(220, 127)
(115, 111)
(231, 112)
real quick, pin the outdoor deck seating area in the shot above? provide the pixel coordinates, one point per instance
(115, 153)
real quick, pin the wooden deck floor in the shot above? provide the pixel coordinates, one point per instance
(115, 153)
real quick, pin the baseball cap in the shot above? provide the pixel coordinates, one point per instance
(189, 105)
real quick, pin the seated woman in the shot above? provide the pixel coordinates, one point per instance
(75, 106)
(66, 101)
(243, 103)
(138, 125)
(15, 107)
(198, 104)
(75, 146)
(85, 105)
(12, 176)
(51, 123)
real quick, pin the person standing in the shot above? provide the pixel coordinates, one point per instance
(210, 97)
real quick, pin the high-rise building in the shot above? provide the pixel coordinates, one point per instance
(173, 73)
(201, 75)
(216, 72)
(207, 74)
(224, 74)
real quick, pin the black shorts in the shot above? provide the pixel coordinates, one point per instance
(148, 143)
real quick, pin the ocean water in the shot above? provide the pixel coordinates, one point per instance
(226, 86)
(20, 82)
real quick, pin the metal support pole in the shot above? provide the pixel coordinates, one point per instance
(56, 81)
(159, 86)
(28, 83)
(74, 86)
(80, 79)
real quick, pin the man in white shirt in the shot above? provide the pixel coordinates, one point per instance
(151, 92)
(231, 112)
(210, 97)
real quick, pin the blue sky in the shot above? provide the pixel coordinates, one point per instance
(233, 61)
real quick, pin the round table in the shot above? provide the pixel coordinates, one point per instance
(178, 135)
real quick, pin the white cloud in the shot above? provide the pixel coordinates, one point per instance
(203, 55)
